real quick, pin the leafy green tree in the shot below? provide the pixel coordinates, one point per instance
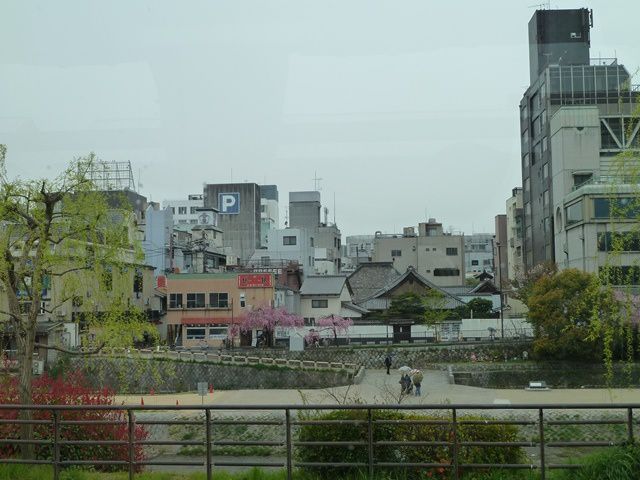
(570, 312)
(524, 281)
(481, 308)
(62, 232)
(408, 305)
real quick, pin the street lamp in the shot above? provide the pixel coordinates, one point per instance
(500, 287)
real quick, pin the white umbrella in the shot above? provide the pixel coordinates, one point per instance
(405, 369)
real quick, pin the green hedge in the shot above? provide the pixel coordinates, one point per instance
(407, 429)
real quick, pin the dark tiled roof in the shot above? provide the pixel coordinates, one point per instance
(369, 278)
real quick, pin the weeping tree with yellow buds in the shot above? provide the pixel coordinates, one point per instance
(62, 235)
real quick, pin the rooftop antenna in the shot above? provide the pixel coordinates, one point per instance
(334, 208)
(316, 182)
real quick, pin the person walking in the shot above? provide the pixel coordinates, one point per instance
(405, 384)
(387, 363)
(417, 382)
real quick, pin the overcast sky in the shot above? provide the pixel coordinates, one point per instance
(405, 108)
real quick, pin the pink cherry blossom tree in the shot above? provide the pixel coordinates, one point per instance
(334, 324)
(268, 319)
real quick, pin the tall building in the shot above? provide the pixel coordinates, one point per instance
(478, 253)
(437, 256)
(269, 211)
(514, 234)
(305, 213)
(239, 215)
(574, 118)
(304, 210)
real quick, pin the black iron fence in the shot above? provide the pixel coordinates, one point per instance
(539, 418)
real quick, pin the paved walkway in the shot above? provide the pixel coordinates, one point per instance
(377, 387)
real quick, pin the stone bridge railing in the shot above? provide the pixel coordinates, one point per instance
(229, 359)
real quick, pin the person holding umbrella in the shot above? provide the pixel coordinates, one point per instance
(417, 377)
(405, 380)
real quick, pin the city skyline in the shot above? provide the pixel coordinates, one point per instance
(403, 116)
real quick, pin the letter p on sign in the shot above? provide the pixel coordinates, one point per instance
(229, 203)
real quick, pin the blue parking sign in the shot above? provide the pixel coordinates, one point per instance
(229, 203)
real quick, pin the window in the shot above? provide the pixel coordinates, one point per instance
(619, 241)
(525, 160)
(289, 240)
(545, 144)
(182, 221)
(193, 221)
(175, 300)
(173, 210)
(621, 207)
(265, 261)
(311, 241)
(545, 170)
(192, 210)
(452, 251)
(182, 210)
(324, 303)
(545, 198)
(138, 281)
(195, 333)
(625, 275)
(107, 278)
(474, 262)
(195, 300)
(243, 301)
(446, 272)
(527, 184)
(218, 300)
(487, 261)
(396, 253)
(573, 213)
(581, 178)
(309, 322)
(218, 332)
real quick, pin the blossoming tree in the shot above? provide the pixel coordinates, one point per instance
(268, 319)
(334, 324)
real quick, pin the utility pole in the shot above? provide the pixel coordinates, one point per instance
(500, 287)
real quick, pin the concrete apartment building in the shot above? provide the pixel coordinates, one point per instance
(202, 308)
(288, 244)
(437, 256)
(515, 264)
(595, 201)
(185, 212)
(305, 211)
(240, 218)
(478, 253)
(575, 118)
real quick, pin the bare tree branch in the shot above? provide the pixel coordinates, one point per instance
(71, 352)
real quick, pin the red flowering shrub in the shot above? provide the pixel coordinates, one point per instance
(71, 389)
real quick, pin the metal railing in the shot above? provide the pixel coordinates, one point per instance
(539, 417)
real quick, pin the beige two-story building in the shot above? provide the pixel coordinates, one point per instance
(203, 309)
